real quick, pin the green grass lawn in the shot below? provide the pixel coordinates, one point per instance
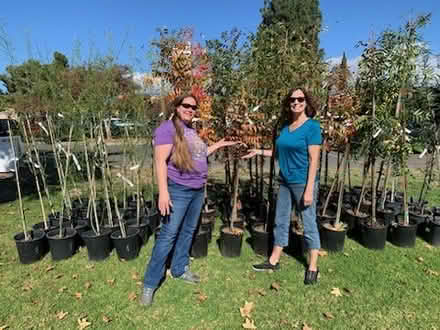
(392, 289)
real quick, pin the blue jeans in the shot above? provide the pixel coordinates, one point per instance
(177, 232)
(295, 192)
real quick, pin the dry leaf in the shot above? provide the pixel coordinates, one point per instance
(57, 276)
(428, 246)
(106, 319)
(139, 283)
(248, 324)
(132, 296)
(27, 287)
(87, 285)
(49, 268)
(336, 292)
(4, 327)
(111, 281)
(306, 327)
(328, 316)
(74, 276)
(78, 295)
(61, 315)
(347, 290)
(246, 310)
(346, 254)
(432, 272)
(62, 289)
(135, 276)
(202, 297)
(322, 253)
(330, 270)
(83, 323)
(420, 259)
(91, 266)
(275, 286)
(261, 292)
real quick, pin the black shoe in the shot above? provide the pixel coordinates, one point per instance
(266, 266)
(311, 277)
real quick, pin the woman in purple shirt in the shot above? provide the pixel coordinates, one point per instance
(181, 163)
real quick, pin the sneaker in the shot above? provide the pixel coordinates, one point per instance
(311, 277)
(147, 297)
(189, 277)
(266, 266)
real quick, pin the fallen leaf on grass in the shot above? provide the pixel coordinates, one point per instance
(347, 290)
(62, 289)
(330, 270)
(4, 327)
(202, 297)
(248, 324)
(87, 285)
(261, 292)
(132, 296)
(61, 315)
(106, 319)
(49, 268)
(58, 276)
(27, 287)
(428, 246)
(420, 259)
(346, 254)
(111, 281)
(328, 316)
(91, 266)
(78, 295)
(432, 272)
(83, 323)
(246, 310)
(135, 276)
(275, 286)
(306, 327)
(74, 276)
(322, 253)
(139, 283)
(336, 292)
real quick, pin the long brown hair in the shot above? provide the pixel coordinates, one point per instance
(286, 113)
(181, 156)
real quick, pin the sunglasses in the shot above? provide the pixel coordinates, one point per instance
(188, 106)
(299, 99)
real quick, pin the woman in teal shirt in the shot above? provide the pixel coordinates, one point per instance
(297, 151)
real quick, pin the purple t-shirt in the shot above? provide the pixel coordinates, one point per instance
(164, 134)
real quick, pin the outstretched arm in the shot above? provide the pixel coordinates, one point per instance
(254, 152)
(220, 144)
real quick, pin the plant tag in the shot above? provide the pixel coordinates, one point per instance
(256, 108)
(377, 133)
(60, 115)
(135, 167)
(75, 160)
(43, 128)
(423, 153)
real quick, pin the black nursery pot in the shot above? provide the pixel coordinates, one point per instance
(39, 226)
(229, 243)
(375, 237)
(403, 236)
(432, 232)
(332, 240)
(127, 248)
(261, 240)
(98, 246)
(387, 214)
(62, 247)
(81, 226)
(199, 247)
(143, 227)
(32, 250)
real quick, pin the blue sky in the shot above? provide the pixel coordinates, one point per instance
(38, 28)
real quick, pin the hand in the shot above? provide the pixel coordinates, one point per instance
(308, 197)
(164, 203)
(222, 143)
(252, 153)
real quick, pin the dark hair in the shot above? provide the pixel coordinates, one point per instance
(181, 156)
(286, 113)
